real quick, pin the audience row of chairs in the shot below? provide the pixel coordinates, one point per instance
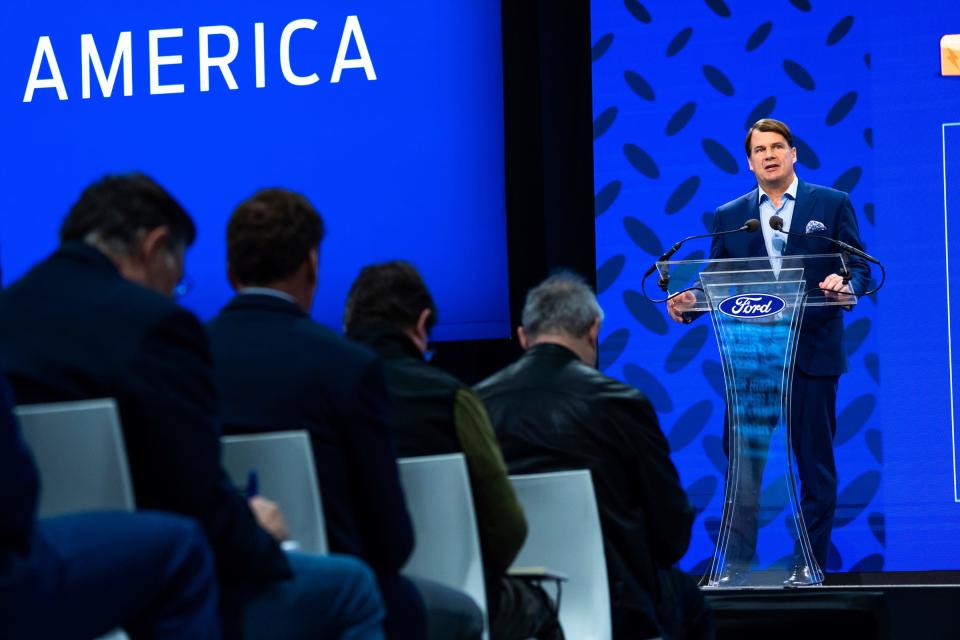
(79, 451)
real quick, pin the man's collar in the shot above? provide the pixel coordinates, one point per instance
(267, 291)
(77, 250)
(791, 190)
(386, 339)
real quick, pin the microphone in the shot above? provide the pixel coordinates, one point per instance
(749, 226)
(776, 223)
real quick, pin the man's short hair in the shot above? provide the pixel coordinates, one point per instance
(116, 209)
(768, 125)
(391, 293)
(270, 235)
(563, 303)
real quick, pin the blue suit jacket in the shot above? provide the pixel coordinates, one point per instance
(820, 350)
(73, 328)
(279, 370)
(18, 485)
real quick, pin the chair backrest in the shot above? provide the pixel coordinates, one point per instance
(79, 451)
(565, 536)
(286, 474)
(440, 503)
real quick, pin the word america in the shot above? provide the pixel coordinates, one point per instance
(123, 54)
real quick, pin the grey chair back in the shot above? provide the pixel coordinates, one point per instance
(80, 455)
(286, 474)
(565, 536)
(440, 503)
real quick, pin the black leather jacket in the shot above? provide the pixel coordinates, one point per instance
(553, 412)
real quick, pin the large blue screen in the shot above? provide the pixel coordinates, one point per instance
(388, 116)
(860, 83)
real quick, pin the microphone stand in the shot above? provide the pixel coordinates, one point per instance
(776, 223)
(663, 281)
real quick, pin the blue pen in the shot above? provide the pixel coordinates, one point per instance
(253, 483)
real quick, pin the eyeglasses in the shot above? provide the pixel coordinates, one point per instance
(183, 287)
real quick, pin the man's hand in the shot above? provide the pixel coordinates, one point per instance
(269, 517)
(834, 283)
(680, 303)
(835, 288)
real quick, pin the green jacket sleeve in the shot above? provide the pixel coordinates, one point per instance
(500, 519)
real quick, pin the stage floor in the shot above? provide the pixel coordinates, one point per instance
(887, 606)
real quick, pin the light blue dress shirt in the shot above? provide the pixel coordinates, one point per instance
(776, 241)
(266, 291)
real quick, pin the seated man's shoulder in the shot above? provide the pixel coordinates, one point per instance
(335, 350)
(574, 379)
(151, 310)
(127, 309)
(433, 375)
(599, 385)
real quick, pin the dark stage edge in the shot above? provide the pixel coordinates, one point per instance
(887, 606)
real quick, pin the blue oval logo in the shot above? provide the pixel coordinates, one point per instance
(752, 305)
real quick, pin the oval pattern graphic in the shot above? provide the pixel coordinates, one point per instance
(752, 305)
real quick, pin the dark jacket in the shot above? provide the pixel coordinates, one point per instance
(18, 485)
(431, 416)
(73, 328)
(421, 396)
(552, 412)
(279, 370)
(820, 348)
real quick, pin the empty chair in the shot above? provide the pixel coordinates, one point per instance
(285, 472)
(440, 503)
(565, 537)
(79, 451)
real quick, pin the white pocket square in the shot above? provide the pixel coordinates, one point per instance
(815, 226)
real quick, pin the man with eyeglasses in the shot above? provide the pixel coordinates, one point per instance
(95, 319)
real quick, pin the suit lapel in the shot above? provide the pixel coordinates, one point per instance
(754, 246)
(802, 214)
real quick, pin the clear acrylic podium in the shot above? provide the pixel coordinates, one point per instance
(757, 306)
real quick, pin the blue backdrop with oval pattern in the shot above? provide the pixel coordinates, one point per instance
(868, 91)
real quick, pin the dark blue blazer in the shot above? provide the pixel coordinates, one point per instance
(279, 370)
(18, 485)
(820, 349)
(73, 328)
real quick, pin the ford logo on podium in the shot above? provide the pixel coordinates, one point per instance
(752, 305)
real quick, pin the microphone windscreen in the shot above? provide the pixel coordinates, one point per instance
(776, 223)
(751, 225)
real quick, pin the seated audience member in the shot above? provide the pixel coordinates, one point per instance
(390, 309)
(277, 369)
(95, 319)
(553, 410)
(84, 575)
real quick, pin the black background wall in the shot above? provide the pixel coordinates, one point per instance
(548, 125)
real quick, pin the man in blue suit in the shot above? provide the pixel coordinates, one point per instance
(277, 369)
(82, 575)
(820, 354)
(96, 319)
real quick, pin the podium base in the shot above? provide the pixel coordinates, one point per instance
(764, 579)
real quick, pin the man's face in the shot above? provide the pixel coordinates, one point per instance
(155, 262)
(771, 159)
(160, 261)
(165, 269)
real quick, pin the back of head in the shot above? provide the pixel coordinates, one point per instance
(114, 212)
(563, 304)
(391, 293)
(270, 235)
